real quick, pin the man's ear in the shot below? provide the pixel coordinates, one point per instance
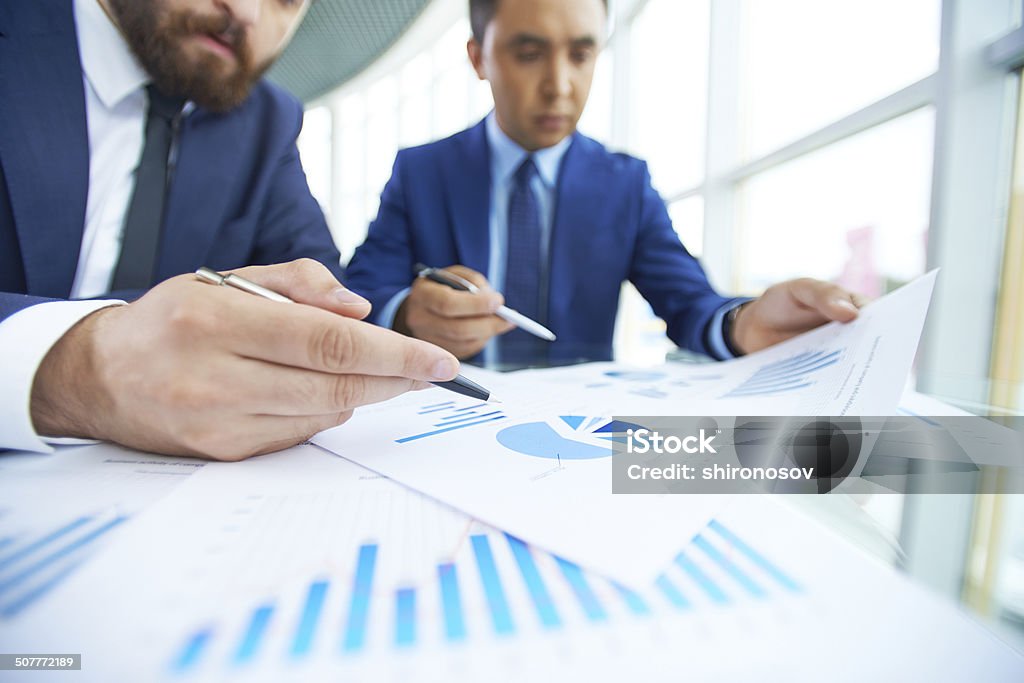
(476, 57)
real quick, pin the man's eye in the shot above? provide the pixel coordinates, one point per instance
(531, 56)
(582, 56)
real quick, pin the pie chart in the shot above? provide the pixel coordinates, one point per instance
(570, 437)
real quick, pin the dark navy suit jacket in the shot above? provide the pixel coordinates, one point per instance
(609, 226)
(238, 195)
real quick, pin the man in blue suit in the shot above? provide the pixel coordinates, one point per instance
(137, 143)
(523, 204)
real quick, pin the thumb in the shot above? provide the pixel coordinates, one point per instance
(309, 282)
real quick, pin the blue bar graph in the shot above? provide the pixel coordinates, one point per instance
(11, 609)
(405, 617)
(306, 630)
(757, 558)
(584, 593)
(253, 637)
(359, 608)
(501, 617)
(534, 583)
(435, 406)
(730, 567)
(441, 409)
(190, 655)
(785, 375)
(474, 423)
(451, 603)
(636, 604)
(48, 538)
(4, 542)
(450, 421)
(669, 590)
(58, 554)
(709, 587)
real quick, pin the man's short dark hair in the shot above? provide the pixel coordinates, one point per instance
(481, 12)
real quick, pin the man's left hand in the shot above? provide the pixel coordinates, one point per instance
(791, 308)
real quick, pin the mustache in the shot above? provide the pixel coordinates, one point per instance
(223, 27)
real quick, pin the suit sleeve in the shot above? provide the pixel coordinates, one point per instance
(292, 224)
(669, 277)
(382, 266)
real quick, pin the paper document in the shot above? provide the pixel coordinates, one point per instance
(517, 464)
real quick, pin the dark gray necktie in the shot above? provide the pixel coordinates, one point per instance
(522, 271)
(146, 211)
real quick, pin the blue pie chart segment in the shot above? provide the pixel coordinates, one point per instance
(589, 439)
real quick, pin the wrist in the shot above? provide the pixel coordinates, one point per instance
(733, 332)
(66, 398)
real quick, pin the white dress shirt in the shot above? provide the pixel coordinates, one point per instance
(115, 106)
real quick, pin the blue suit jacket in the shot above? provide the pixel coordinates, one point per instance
(610, 226)
(238, 196)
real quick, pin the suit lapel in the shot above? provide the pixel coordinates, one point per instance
(577, 210)
(469, 189)
(44, 142)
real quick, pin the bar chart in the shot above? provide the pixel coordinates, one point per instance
(495, 588)
(789, 374)
(33, 562)
(450, 416)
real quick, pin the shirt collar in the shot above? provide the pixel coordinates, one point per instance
(108, 63)
(507, 155)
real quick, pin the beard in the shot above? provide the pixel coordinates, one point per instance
(158, 38)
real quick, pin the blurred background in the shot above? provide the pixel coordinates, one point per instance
(860, 141)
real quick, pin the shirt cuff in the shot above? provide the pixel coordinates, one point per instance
(25, 339)
(716, 330)
(390, 310)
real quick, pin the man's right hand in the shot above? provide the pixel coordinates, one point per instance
(461, 322)
(193, 369)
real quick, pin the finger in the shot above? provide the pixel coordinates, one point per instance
(445, 302)
(309, 282)
(307, 337)
(477, 279)
(464, 330)
(831, 301)
(261, 388)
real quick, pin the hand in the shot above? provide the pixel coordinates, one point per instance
(791, 308)
(460, 322)
(193, 369)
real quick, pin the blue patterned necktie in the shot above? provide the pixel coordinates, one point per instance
(522, 270)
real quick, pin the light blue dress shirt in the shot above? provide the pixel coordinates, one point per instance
(506, 157)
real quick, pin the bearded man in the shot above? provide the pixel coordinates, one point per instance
(138, 142)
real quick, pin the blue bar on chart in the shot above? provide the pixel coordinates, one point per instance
(584, 593)
(788, 374)
(19, 602)
(59, 554)
(194, 648)
(501, 617)
(754, 556)
(709, 587)
(405, 617)
(48, 538)
(254, 632)
(451, 603)
(633, 600)
(450, 421)
(442, 430)
(671, 592)
(306, 630)
(4, 542)
(534, 583)
(359, 608)
(435, 407)
(730, 567)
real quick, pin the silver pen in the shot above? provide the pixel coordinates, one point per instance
(460, 385)
(504, 312)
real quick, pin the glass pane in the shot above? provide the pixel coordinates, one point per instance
(806, 63)
(688, 220)
(669, 78)
(855, 212)
(314, 145)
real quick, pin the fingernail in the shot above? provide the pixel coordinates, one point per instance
(445, 369)
(845, 303)
(349, 298)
